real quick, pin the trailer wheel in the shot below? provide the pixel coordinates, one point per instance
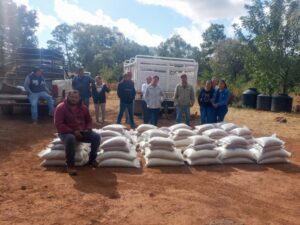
(7, 110)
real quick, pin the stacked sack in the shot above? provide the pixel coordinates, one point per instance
(161, 152)
(228, 127)
(215, 133)
(143, 128)
(130, 135)
(234, 149)
(243, 132)
(204, 127)
(117, 152)
(106, 134)
(270, 150)
(147, 135)
(55, 155)
(181, 137)
(201, 151)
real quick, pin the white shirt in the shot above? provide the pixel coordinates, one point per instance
(144, 88)
(154, 96)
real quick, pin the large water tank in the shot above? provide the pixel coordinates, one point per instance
(249, 98)
(264, 102)
(281, 103)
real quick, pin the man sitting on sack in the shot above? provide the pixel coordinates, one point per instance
(74, 123)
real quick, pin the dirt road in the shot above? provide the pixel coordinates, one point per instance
(227, 195)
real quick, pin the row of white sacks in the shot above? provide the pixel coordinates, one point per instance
(173, 146)
(222, 143)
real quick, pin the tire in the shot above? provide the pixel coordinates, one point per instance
(7, 110)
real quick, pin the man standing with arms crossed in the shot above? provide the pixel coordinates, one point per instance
(126, 93)
(83, 83)
(184, 98)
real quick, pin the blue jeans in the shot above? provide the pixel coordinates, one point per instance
(146, 116)
(86, 101)
(153, 115)
(123, 107)
(70, 144)
(221, 113)
(34, 99)
(208, 114)
(183, 109)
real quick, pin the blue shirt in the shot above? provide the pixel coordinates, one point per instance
(83, 85)
(222, 97)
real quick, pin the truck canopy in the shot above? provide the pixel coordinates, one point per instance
(167, 69)
(23, 60)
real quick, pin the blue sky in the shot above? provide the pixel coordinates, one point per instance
(148, 22)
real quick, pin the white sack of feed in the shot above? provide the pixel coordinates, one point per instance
(179, 126)
(154, 162)
(201, 128)
(117, 162)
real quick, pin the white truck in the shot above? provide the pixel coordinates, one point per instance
(167, 69)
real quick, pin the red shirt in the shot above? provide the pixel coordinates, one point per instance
(68, 119)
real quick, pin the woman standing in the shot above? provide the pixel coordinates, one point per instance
(205, 102)
(99, 91)
(221, 101)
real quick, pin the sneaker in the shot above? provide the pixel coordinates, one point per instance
(34, 122)
(71, 170)
(51, 114)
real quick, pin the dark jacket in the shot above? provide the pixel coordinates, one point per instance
(68, 120)
(205, 97)
(35, 84)
(126, 91)
(100, 97)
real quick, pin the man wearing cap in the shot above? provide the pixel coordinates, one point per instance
(36, 88)
(184, 98)
(83, 84)
(126, 93)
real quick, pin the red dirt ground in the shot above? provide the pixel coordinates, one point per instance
(212, 195)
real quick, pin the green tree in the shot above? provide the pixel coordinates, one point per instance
(62, 41)
(175, 47)
(211, 37)
(273, 34)
(17, 27)
(228, 60)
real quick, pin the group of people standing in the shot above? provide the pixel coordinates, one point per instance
(73, 120)
(212, 98)
(213, 101)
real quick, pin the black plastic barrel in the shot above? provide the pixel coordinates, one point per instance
(281, 103)
(264, 102)
(249, 98)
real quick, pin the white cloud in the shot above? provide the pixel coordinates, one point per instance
(75, 14)
(192, 34)
(204, 10)
(46, 22)
(22, 2)
(202, 13)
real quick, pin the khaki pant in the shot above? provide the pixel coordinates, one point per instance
(100, 112)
